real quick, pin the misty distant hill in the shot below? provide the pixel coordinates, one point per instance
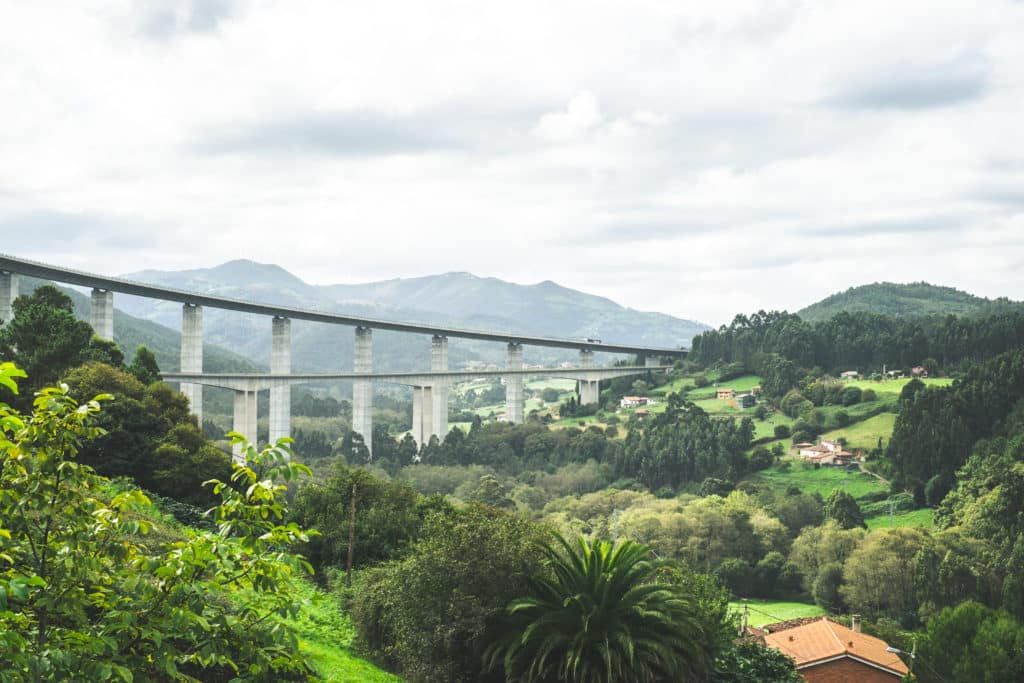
(455, 299)
(905, 301)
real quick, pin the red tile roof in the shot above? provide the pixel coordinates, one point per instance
(822, 640)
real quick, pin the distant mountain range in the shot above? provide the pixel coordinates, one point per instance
(905, 301)
(455, 299)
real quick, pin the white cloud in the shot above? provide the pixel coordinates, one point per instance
(697, 158)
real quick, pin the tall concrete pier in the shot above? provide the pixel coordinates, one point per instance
(590, 390)
(245, 418)
(280, 364)
(439, 363)
(422, 414)
(514, 385)
(8, 293)
(192, 355)
(101, 313)
(362, 390)
(651, 361)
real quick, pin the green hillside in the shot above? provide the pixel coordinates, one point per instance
(903, 301)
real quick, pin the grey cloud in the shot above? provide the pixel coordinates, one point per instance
(62, 230)
(916, 86)
(890, 226)
(456, 126)
(346, 133)
(162, 20)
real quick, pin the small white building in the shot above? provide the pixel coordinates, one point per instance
(633, 401)
(849, 374)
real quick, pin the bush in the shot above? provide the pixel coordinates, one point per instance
(782, 431)
(851, 396)
(700, 381)
(868, 395)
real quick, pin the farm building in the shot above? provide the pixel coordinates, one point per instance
(849, 374)
(726, 393)
(633, 401)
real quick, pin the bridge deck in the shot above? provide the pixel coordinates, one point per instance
(83, 279)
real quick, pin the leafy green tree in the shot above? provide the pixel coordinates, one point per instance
(752, 663)
(44, 338)
(144, 367)
(85, 596)
(843, 508)
(388, 517)
(971, 642)
(879, 576)
(601, 615)
(426, 615)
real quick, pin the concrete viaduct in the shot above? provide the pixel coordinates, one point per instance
(430, 388)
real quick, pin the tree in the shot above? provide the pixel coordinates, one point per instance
(879, 575)
(143, 367)
(971, 642)
(601, 615)
(842, 507)
(85, 596)
(44, 338)
(753, 663)
(426, 614)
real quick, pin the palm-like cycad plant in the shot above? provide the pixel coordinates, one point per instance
(601, 617)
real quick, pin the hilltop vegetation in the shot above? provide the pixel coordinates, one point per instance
(912, 300)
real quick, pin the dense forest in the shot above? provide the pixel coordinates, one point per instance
(452, 560)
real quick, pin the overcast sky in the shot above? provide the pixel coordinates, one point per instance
(695, 158)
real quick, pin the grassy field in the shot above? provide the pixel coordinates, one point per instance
(923, 518)
(325, 638)
(867, 433)
(740, 384)
(891, 388)
(770, 611)
(822, 480)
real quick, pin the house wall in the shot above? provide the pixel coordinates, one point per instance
(846, 671)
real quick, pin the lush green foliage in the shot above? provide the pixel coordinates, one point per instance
(971, 643)
(425, 616)
(857, 340)
(935, 431)
(83, 596)
(915, 299)
(600, 615)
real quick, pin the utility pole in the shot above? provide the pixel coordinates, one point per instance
(351, 533)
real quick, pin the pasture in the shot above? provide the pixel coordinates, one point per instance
(763, 612)
(821, 480)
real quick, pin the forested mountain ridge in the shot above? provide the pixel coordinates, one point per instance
(456, 299)
(915, 299)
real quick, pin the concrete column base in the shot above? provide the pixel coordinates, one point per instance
(514, 403)
(192, 355)
(8, 293)
(439, 363)
(245, 419)
(280, 364)
(362, 390)
(101, 314)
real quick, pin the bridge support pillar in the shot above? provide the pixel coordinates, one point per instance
(422, 414)
(8, 293)
(245, 419)
(590, 390)
(192, 355)
(362, 390)
(101, 314)
(439, 363)
(514, 385)
(280, 364)
(651, 361)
